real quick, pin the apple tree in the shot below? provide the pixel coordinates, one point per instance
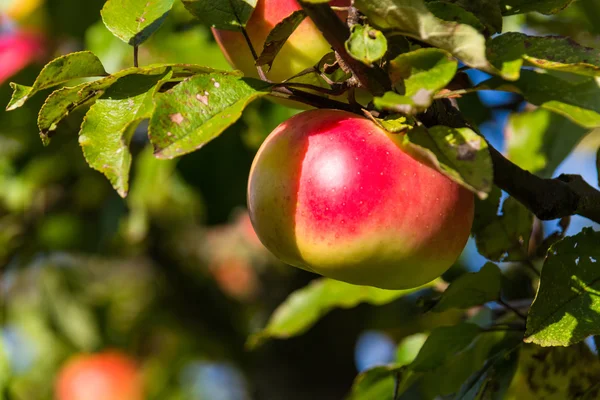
(397, 88)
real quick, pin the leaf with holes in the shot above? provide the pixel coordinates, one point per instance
(511, 51)
(306, 306)
(110, 123)
(278, 37)
(61, 102)
(60, 70)
(366, 44)
(133, 21)
(198, 110)
(472, 289)
(221, 14)
(458, 153)
(537, 140)
(566, 308)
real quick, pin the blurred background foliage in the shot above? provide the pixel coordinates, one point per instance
(174, 275)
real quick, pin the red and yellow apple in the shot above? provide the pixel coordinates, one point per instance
(17, 50)
(333, 193)
(105, 376)
(304, 48)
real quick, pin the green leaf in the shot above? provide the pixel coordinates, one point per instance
(221, 14)
(366, 44)
(511, 7)
(540, 140)
(61, 102)
(278, 37)
(409, 348)
(133, 21)
(566, 308)
(506, 238)
(454, 12)
(303, 308)
(392, 101)
(510, 51)
(458, 153)
(448, 377)
(442, 344)
(109, 125)
(60, 70)
(578, 100)
(379, 383)
(598, 164)
(412, 18)
(556, 373)
(198, 110)
(419, 75)
(472, 289)
(488, 12)
(486, 210)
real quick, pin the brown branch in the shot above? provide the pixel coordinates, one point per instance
(373, 78)
(546, 198)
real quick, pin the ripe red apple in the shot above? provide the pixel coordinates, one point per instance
(304, 48)
(331, 192)
(104, 376)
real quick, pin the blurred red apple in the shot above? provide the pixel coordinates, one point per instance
(104, 376)
(332, 193)
(17, 50)
(304, 48)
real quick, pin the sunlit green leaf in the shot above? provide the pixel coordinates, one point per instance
(566, 309)
(60, 70)
(366, 44)
(198, 110)
(133, 21)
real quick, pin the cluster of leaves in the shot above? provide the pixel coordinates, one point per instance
(420, 46)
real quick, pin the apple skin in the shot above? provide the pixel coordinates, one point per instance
(103, 376)
(332, 193)
(304, 48)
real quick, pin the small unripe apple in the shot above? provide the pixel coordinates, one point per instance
(304, 48)
(333, 193)
(104, 376)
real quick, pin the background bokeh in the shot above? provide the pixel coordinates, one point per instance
(173, 275)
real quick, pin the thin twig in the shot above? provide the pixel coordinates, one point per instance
(396, 385)
(511, 308)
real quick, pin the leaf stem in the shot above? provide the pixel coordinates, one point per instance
(136, 49)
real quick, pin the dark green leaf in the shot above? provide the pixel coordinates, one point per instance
(506, 238)
(110, 123)
(578, 100)
(306, 306)
(198, 110)
(222, 14)
(453, 12)
(133, 21)
(566, 309)
(459, 153)
(278, 36)
(510, 51)
(540, 140)
(60, 70)
(442, 344)
(511, 7)
(486, 210)
(472, 289)
(366, 44)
